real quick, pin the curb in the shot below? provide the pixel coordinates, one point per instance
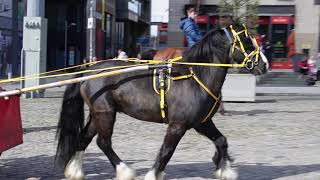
(287, 94)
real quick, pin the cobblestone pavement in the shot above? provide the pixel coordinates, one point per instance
(274, 138)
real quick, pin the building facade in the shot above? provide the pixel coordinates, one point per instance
(133, 25)
(89, 29)
(11, 20)
(276, 20)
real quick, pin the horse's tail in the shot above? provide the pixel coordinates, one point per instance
(70, 123)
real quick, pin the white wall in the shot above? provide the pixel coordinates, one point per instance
(307, 26)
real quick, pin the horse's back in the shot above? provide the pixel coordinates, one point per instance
(169, 53)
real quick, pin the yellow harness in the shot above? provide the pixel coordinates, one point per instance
(247, 62)
(204, 87)
(164, 87)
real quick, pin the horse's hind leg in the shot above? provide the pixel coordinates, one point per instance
(175, 132)
(221, 157)
(106, 119)
(74, 169)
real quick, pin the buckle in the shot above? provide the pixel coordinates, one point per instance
(249, 65)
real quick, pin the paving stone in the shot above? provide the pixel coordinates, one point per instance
(276, 137)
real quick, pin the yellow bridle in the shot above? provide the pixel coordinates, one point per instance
(247, 62)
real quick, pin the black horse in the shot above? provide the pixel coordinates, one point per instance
(132, 93)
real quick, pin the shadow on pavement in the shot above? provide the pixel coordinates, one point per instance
(255, 112)
(38, 129)
(96, 168)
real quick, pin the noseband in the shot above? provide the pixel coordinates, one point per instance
(252, 59)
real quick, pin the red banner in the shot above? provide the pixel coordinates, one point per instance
(10, 123)
(280, 20)
(202, 19)
(264, 20)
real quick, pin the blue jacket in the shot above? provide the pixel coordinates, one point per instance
(191, 31)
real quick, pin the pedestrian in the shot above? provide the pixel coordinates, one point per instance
(190, 28)
(291, 44)
(267, 50)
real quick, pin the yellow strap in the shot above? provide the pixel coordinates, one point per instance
(208, 64)
(210, 112)
(36, 76)
(175, 59)
(67, 74)
(182, 77)
(202, 85)
(216, 99)
(163, 114)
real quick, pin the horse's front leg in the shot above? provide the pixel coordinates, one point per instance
(221, 157)
(175, 132)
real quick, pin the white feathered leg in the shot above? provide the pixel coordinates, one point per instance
(151, 175)
(124, 172)
(227, 173)
(74, 169)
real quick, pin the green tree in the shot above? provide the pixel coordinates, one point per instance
(242, 11)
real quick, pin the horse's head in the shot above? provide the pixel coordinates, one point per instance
(245, 50)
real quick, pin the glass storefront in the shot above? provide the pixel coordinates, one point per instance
(279, 40)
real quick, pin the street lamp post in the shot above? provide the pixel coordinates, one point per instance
(66, 27)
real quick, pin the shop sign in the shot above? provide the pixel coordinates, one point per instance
(306, 46)
(133, 6)
(132, 16)
(280, 20)
(202, 19)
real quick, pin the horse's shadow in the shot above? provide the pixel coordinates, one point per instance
(256, 112)
(96, 168)
(246, 171)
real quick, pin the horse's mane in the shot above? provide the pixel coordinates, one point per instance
(213, 44)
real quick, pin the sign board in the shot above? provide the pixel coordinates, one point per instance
(306, 46)
(90, 23)
(280, 20)
(134, 6)
(132, 16)
(202, 19)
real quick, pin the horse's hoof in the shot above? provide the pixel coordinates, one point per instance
(226, 174)
(152, 176)
(124, 172)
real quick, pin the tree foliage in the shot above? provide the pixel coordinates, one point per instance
(240, 10)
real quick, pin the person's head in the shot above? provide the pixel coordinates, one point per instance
(192, 12)
(225, 21)
(119, 50)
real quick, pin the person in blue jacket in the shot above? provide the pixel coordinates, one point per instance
(190, 28)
